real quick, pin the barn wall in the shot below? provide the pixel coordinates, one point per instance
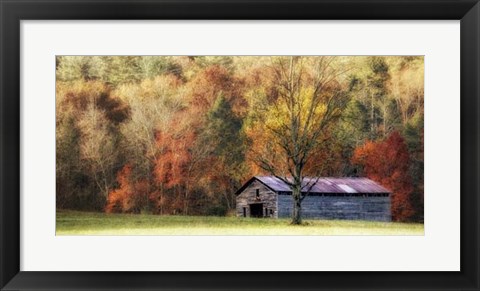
(248, 196)
(338, 207)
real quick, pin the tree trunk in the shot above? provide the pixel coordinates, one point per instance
(372, 116)
(384, 120)
(297, 206)
(185, 202)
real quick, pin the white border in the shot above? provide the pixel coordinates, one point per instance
(438, 250)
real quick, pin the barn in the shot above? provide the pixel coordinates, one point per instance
(330, 198)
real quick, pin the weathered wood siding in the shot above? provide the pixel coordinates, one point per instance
(338, 207)
(248, 196)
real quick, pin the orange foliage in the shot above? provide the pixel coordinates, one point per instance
(387, 162)
(215, 80)
(172, 170)
(174, 157)
(175, 145)
(131, 197)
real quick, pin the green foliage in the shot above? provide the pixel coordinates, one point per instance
(115, 70)
(224, 136)
(224, 130)
(413, 132)
(70, 68)
(208, 61)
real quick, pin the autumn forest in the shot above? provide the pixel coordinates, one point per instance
(179, 135)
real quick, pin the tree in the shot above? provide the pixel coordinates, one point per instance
(227, 143)
(68, 170)
(216, 111)
(153, 104)
(70, 68)
(130, 197)
(87, 139)
(413, 132)
(153, 66)
(308, 103)
(173, 166)
(97, 148)
(406, 86)
(388, 163)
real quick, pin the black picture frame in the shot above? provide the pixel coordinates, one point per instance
(13, 11)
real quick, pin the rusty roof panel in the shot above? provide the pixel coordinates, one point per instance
(327, 185)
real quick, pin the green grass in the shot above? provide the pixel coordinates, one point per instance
(86, 223)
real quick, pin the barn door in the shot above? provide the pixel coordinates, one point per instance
(256, 210)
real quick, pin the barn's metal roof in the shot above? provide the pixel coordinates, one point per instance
(323, 185)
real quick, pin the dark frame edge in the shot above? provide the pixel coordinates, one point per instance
(12, 279)
(470, 143)
(9, 144)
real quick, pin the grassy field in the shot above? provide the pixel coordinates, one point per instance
(85, 223)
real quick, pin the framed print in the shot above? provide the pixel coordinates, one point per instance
(238, 145)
